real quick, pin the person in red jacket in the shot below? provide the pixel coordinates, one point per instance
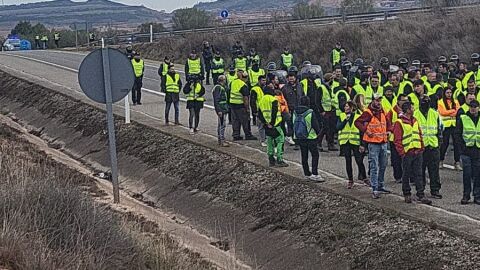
(409, 144)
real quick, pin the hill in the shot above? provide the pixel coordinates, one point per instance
(243, 5)
(62, 13)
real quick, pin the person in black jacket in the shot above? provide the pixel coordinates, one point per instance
(207, 60)
(220, 102)
(291, 91)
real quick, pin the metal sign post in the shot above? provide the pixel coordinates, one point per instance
(111, 127)
(106, 76)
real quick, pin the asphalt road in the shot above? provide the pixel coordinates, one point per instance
(60, 69)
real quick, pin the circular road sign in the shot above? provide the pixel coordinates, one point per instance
(91, 75)
(224, 14)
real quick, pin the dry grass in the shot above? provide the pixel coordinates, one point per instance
(49, 222)
(421, 37)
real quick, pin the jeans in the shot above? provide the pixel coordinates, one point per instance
(377, 162)
(261, 130)
(431, 160)
(194, 114)
(167, 111)
(396, 161)
(137, 90)
(312, 147)
(221, 128)
(412, 170)
(471, 174)
(347, 150)
(240, 118)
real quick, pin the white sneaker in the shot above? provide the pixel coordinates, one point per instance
(192, 131)
(289, 140)
(318, 178)
(264, 144)
(312, 177)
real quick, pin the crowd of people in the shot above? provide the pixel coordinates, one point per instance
(412, 109)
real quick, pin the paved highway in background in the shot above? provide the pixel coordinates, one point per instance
(60, 69)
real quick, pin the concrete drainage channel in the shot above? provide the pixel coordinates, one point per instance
(267, 218)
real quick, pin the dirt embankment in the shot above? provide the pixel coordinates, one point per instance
(54, 217)
(423, 37)
(329, 231)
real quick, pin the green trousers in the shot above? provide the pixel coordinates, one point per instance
(279, 141)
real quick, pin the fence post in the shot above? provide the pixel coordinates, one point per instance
(385, 15)
(151, 33)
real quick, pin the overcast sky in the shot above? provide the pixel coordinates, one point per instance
(168, 5)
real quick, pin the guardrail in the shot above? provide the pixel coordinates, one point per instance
(270, 25)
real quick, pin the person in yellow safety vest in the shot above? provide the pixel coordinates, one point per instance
(138, 69)
(427, 68)
(310, 89)
(431, 127)
(306, 128)
(350, 141)
(394, 83)
(468, 136)
(56, 37)
(239, 101)
(457, 89)
(254, 72)
(37, 42)
(162, 72)
(361, 88)
(271, 117)
(373, 88)
(286, 59)
(417, 95)
(217, 67)
(434, 88)
(240, 62)
(406, 85)
(472, 88)
(220, 102)
(340, 97)
(409, 144)
(253, 57)
(172, 85)
(395, 158)
(473, 72)
(194, 67)
(448, 108)
(44, 42)
(337, 77)
(464, 107)
(335, 56)
(195, 93)
(389, 99)
(256, 94)
(231, 75)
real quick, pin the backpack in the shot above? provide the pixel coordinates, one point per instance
(300, 127)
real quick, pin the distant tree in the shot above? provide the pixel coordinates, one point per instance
(190, 18)
(145, 27)
(357, 6)
(304, 10)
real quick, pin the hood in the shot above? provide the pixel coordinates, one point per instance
(406, 120)
(301, 109)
